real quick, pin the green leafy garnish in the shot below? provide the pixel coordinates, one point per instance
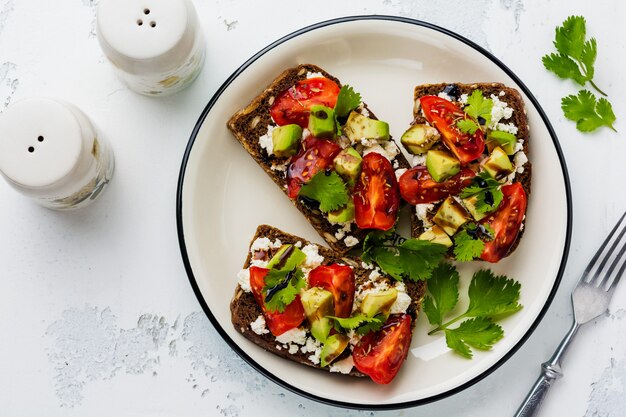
(362, 323)
(281, 288)
(328, 189)
(491, 298)
(409, 258)
(467, 126)
(479, 107)
(467, 247)
(487, 191)
(588, 113)
(347, 100)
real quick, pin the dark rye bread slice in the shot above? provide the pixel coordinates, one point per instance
(519, 118)
(244, 309)
(250, 123)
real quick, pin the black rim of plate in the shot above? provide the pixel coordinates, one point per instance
(217, 325)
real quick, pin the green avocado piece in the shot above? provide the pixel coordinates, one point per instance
(348, 165)
(318, 305)
(322, 122)
(470, 205)
(333, 347)
(419, 138)
(288, 257)
(505, 140)
(450, 216)
(379, 302)
(286, 140)
(358, 127)
(436, 235)
(342, 215)
(442, 165)
(498, 164)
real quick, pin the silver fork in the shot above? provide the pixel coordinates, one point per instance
(590, 299)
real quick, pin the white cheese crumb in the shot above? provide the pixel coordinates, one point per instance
(315, 358)
(499, 111)
(314, 74)
(419, 160)
(243, 277)
(365, 265)
(347, 227)
(343, 366)
(313, 258)
(507, 127)
(260, 243)
(375, 274)
(280, 167)
(258, 262)
(258, 326)
(350, 241)
(389, 151)
(444, 96)
(279, 347)
(306, 132)
(311, 345)
(501, 93)
(266, 142)
(340, 234)
(295, 335)
(421, 211)
(363, 110)
(395, 164)
(519, 146)
(368, 142)
(293, 349)
(298, 244)
(463, 98)
(520, 160)
(399, 173)
(403, 301)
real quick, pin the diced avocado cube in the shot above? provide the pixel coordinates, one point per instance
(505, 140)
(318, 305)
(450, 216)
(419, 138)
(348, 165)
(379, 302)
(358, 127)
(442, 165)
(287, 257)
(333, 347)
(322, 122)
(470, 205)
(498, 164)
(342, 215)
(436, 235)
(286, 140)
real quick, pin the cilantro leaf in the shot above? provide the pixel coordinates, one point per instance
(467, 126)
(466, 247)
(479, 107)
(588, 113)
(564, 67)
(487, 191)
(362, 323)
(479, 333)
(328, 189)
(347, 100)
(492, 296)
(281, 287)
(444, 293)
(570, 37)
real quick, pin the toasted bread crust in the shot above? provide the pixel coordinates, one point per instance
(248, 124)
(519, 118)
(244, 309)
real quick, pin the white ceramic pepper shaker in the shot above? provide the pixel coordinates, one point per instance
(156, 46)
(49, 151)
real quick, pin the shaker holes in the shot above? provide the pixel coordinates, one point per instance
(40, 138)
(31, 149)
(146, 11)
(139, 22)
(152, 24)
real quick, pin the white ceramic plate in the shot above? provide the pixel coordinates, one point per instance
(223, 195)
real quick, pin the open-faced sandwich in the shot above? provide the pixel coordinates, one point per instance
(327, 151)
(325, 310)
(471, 177)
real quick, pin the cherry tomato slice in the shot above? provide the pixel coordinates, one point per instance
(418, 187)
(506, 222)
(315, 155)
(277, 322)
(443, 115)
(292, 105)
(381, 354)
(340, 281)
(376, 195)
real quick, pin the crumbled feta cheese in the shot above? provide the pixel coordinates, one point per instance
(293, 349)
(389, 151)
(258, 262)
(279, 347)
(311, 345)
(519, 146)
(347, 227)
(501, 93)
(266, 142)
(279, 167)
(399, 172)
(499, 111)
(344, 142)
(520, 160)
(375, 274)
(298, 244)
(343, 366)
(363, 110)
(368, 142)
(350, 241)
(419, 160)
(402, 303)
(313, 258)
(507, 127)
(243, 277)
(444, 96)
(314, 74)
(315, 357)
(463, 98)
(295, 335)
(260, 243)
(258, 326)
(306, 132)
(421, 211)
(339, 234)
(365, 265)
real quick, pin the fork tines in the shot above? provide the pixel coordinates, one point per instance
(601, 268)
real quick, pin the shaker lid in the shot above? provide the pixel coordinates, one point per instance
(40, 142)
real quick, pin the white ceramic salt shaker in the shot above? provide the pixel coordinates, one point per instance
(50, 151)
(156, 46)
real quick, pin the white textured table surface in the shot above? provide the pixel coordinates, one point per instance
(97, 317)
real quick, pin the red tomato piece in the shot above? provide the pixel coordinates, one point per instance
(506, 222)
(376, 195)
(292, 105)
(277, 322)
(443, 115)
(418, 187)
(340, 281)
(381, 354)
(314, 156)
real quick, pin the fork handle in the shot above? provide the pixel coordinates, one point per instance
(550, 372)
